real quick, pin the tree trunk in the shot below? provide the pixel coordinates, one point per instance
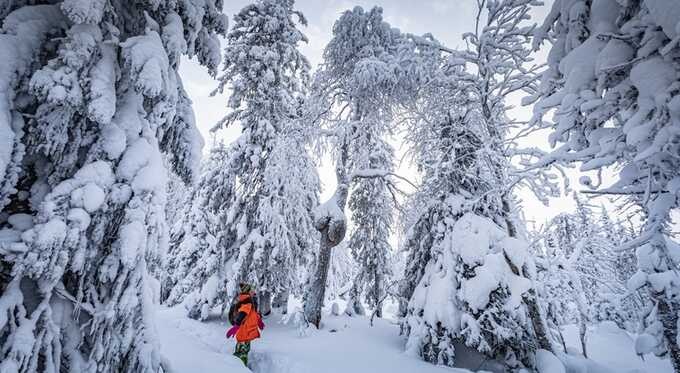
(562, 341)
(378, 300)
(317, 289)
(332, 233)
(555, 325)
(581, 302)
(403, 308)
(264, 302)
(537, 322)
(582, 329)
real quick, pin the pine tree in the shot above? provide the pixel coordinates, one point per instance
(372, 208)
(195, 255)
(90, 90)
(612, 85)
(453, 245)
(262, 193)
(553, 283)
(465, 156)
(291, 186)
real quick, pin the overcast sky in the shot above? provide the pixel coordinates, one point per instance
(447, 20)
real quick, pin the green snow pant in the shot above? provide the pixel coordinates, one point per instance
(241, 351)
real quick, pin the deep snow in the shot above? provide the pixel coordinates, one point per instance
(350, 345)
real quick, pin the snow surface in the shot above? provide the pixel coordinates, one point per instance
(353, 346)
(546, 362)
(613, 348)
(192, 346)
(350, 345)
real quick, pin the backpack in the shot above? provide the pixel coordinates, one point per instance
(236, 305)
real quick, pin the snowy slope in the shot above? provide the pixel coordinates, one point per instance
(353, 347)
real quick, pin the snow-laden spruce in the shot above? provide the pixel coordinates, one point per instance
(372, 208)
(469, 293)
(90, 99)
(194, 254)
(262, 192)
(360, 77)
(612, 86)
(462, 275)
(462, 145)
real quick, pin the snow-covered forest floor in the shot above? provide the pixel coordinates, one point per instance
(349, 344)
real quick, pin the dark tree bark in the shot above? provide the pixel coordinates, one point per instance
(317, 290)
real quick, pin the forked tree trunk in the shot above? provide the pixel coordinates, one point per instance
(332, 229)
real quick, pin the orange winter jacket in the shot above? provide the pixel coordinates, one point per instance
(249, 328)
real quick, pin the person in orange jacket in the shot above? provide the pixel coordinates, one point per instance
(246, 321)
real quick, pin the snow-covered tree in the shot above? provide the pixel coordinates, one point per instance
(461, 144)
(90, 99)
(453, 246)
(581, 277)
(195, 257)
(341, 274)
(372, 209)
(354, 91)
(290, 192)
(612, 86)
(554, 285)
(264, 218)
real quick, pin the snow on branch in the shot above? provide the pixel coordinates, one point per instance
(378, 173)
